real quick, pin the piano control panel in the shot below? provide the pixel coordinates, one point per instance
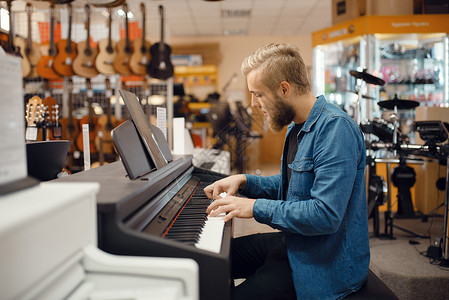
(162, 222)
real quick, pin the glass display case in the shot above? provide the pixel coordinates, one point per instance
(410, 53)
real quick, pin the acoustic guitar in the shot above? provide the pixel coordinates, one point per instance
(66, 51)
(69, 124)
(107, 51)
(44, 66)
(84, 63)
(160, 65)
(105, 124)
(32, 49)
(141, 55)
(33, 114)
(90, 119)
(20, 45)
(124, 50)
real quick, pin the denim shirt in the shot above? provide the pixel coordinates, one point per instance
(324, 211)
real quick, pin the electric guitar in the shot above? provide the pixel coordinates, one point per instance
(107, 52)
(89, 119)
(44, 66)
(160, 66)
(141, 55)
(66, 51)
(84, 63)
(124, 50)
(69, 124)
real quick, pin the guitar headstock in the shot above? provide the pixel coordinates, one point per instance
(52, 110)
(33, 111)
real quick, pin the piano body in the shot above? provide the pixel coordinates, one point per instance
(152, 204)
(48, 236)
(133, 216)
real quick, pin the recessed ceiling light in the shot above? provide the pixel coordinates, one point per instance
(235, 13)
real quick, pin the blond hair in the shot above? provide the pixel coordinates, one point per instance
(276, 63)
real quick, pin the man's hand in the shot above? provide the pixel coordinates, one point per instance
(229, 185)
(233, 206)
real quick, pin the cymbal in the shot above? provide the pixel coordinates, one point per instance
(400, 104)
(368, 78)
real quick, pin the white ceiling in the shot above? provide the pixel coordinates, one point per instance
(205, 18)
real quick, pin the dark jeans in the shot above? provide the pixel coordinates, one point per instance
(262, 260)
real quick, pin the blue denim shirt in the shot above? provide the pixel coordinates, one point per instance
(324, 214)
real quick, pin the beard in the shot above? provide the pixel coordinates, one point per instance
(280, 115)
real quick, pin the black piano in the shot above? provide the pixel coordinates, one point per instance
(162, 212)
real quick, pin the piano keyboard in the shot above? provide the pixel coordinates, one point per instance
(192, 225)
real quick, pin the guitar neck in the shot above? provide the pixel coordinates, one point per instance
(110, 31)
(143, 27)
(88, 49)
(161, 44)
(127, 47)
(52, 33)
(69, 35)
(29, 41)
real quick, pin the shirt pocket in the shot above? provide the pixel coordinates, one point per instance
(302, 177)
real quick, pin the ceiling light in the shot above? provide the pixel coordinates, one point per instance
(235, 13)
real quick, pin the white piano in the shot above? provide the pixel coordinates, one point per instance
(48, 238)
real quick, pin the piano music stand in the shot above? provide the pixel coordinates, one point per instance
(136, 160)
(153, 145)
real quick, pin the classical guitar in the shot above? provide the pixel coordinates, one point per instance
(44, 66)
(66, 51)
(90, 119)
(141, 55)
(10, 45)
(52, 125)
(107, 51)
(84, 63)
(20, 44)
(124, 50)
(69, 124)
(33, 117)
(32, 49)
(160, 65)
(105, 124)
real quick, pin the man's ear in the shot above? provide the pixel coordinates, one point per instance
(284, 88)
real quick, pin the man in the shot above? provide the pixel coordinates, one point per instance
(318, 200)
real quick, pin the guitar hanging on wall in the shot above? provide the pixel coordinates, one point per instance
(107, 51)
(90, 119)
(32, 49)
(66, 51)
(84, 63)
(160, 65)
(17, 44)
(124, 50)
(69, 124)
(141, 55)
(45, 65)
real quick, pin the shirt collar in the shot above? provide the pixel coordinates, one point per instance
(314, 114)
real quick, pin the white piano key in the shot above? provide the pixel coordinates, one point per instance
(212, 234)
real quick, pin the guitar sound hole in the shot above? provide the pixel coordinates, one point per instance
(88, 52)
(143, 49)
(128, 50)
(109, 49)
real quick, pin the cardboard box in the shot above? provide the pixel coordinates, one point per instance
(344, 10)
(389, 7)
